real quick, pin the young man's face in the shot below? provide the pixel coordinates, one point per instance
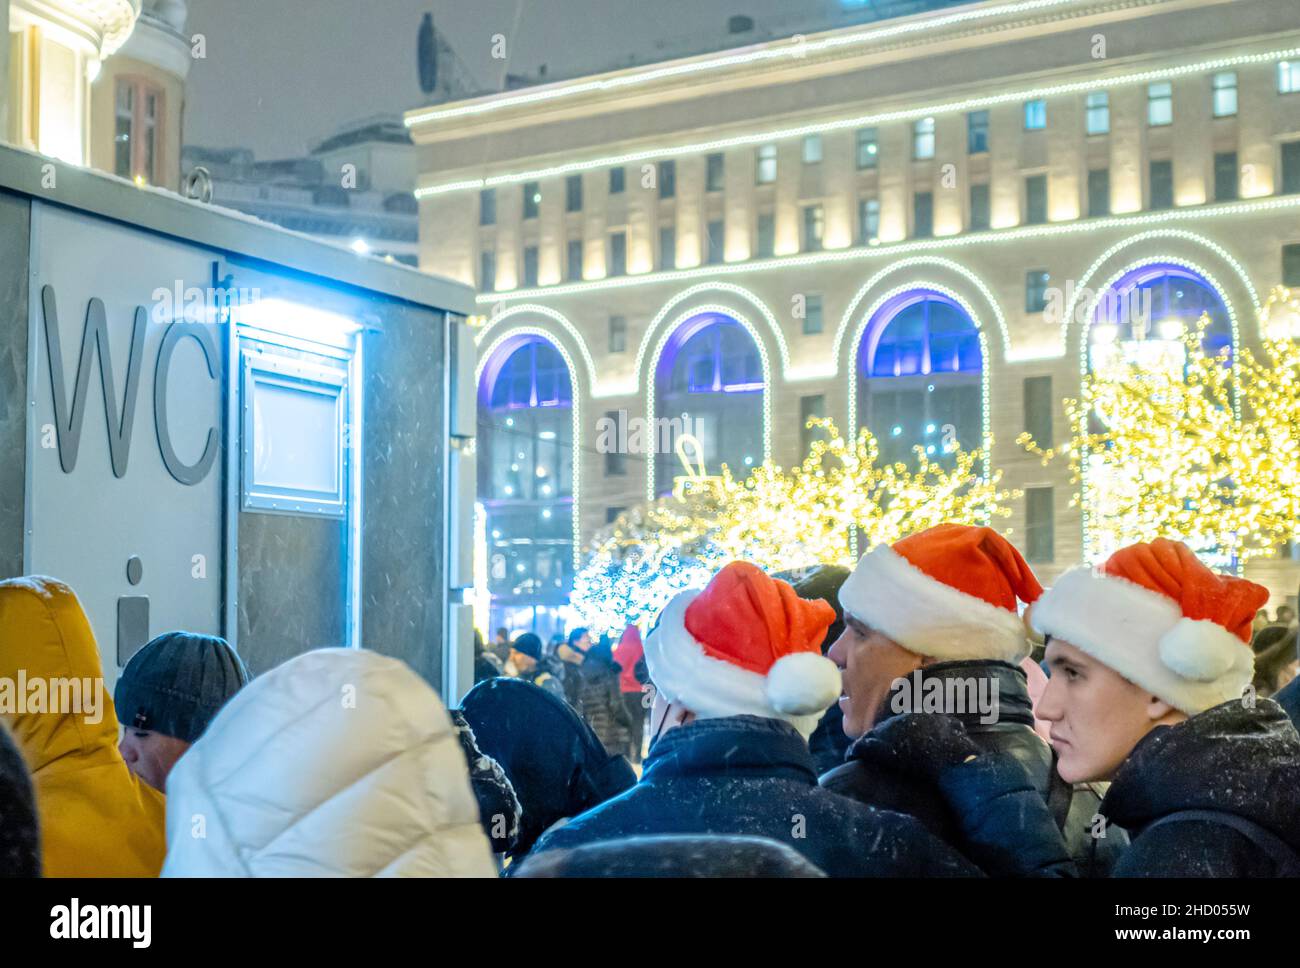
(524, 663)
(151, 755)
(1097, 716)
(870, 662)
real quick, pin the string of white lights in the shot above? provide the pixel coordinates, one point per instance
(936, 109)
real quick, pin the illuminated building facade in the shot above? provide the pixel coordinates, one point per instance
(921, 225)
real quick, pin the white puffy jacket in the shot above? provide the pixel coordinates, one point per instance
(338, 763)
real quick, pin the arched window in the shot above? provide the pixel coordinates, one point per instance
(525, 482)
(709, 382)
(1160, 302)
(919, 373)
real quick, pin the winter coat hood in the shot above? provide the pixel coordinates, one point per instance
(338, 763)
(98, 819)
(556, 763)
(1230, 758)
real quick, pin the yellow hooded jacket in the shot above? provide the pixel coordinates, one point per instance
(98, 819)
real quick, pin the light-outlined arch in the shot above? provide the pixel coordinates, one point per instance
(875, 317)
(1118, 275)
(505, 343)
(555, 316)
(777, 335)
(838, 348)
(708, 309)
(1074, 330)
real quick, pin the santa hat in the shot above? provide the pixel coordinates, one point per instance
(1161, 619)
(745, 644)
(948, 593)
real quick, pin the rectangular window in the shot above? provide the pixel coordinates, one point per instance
(615, 460)
(1036, 281)
(487, 271)
(618, 334)
(1224, 99)
(1288, 77)
(532, 199)
(1038, 409)
(812, 316)
(716, 233)
(612, 513)
(868, 147)
(1036, 199)
(668, 247)
(868, 220)
(765, 172)
(1160, 104)
(487, 207)
(977, 132)
(1225, 176)
(980, 207)
(299, 437)
(667, 179)
(530, 266)
(139, 113)
(574, 260)
(715, 167)
(1291, 265)
(1098, 192)
(1097, 113)
(814, 223)
(573, 193)
(617, 254)
(617, 178)
(1291, 168)
(766, 236)
(923, 139)
(1035, 115)
(922, 215)
(1040, 525)
(812, 149)
(1161, 175)
(810, 406)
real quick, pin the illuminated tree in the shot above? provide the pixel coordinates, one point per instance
(778, 519)
(1173, 441)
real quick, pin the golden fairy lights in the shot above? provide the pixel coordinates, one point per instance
(780, 519)
(1166, 454)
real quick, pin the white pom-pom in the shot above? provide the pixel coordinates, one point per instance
(1199, 650)
(803, 683)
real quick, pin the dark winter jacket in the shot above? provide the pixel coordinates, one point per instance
(20, 842)
(600, 699)
(828, 743)
(498, 807)
(870, 780)
(1235, 759)
(673, 856)
(555, 763)
(752, 775)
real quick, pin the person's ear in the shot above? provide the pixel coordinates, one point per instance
(1158, 710)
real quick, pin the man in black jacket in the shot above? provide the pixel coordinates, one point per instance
(932, 626)
(1151, 663)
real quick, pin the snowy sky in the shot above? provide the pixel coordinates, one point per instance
(282, 74)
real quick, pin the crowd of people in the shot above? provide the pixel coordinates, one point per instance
(932, 712)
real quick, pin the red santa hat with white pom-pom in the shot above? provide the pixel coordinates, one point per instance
(950, 592)
(746, 644)
(1160, 618)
